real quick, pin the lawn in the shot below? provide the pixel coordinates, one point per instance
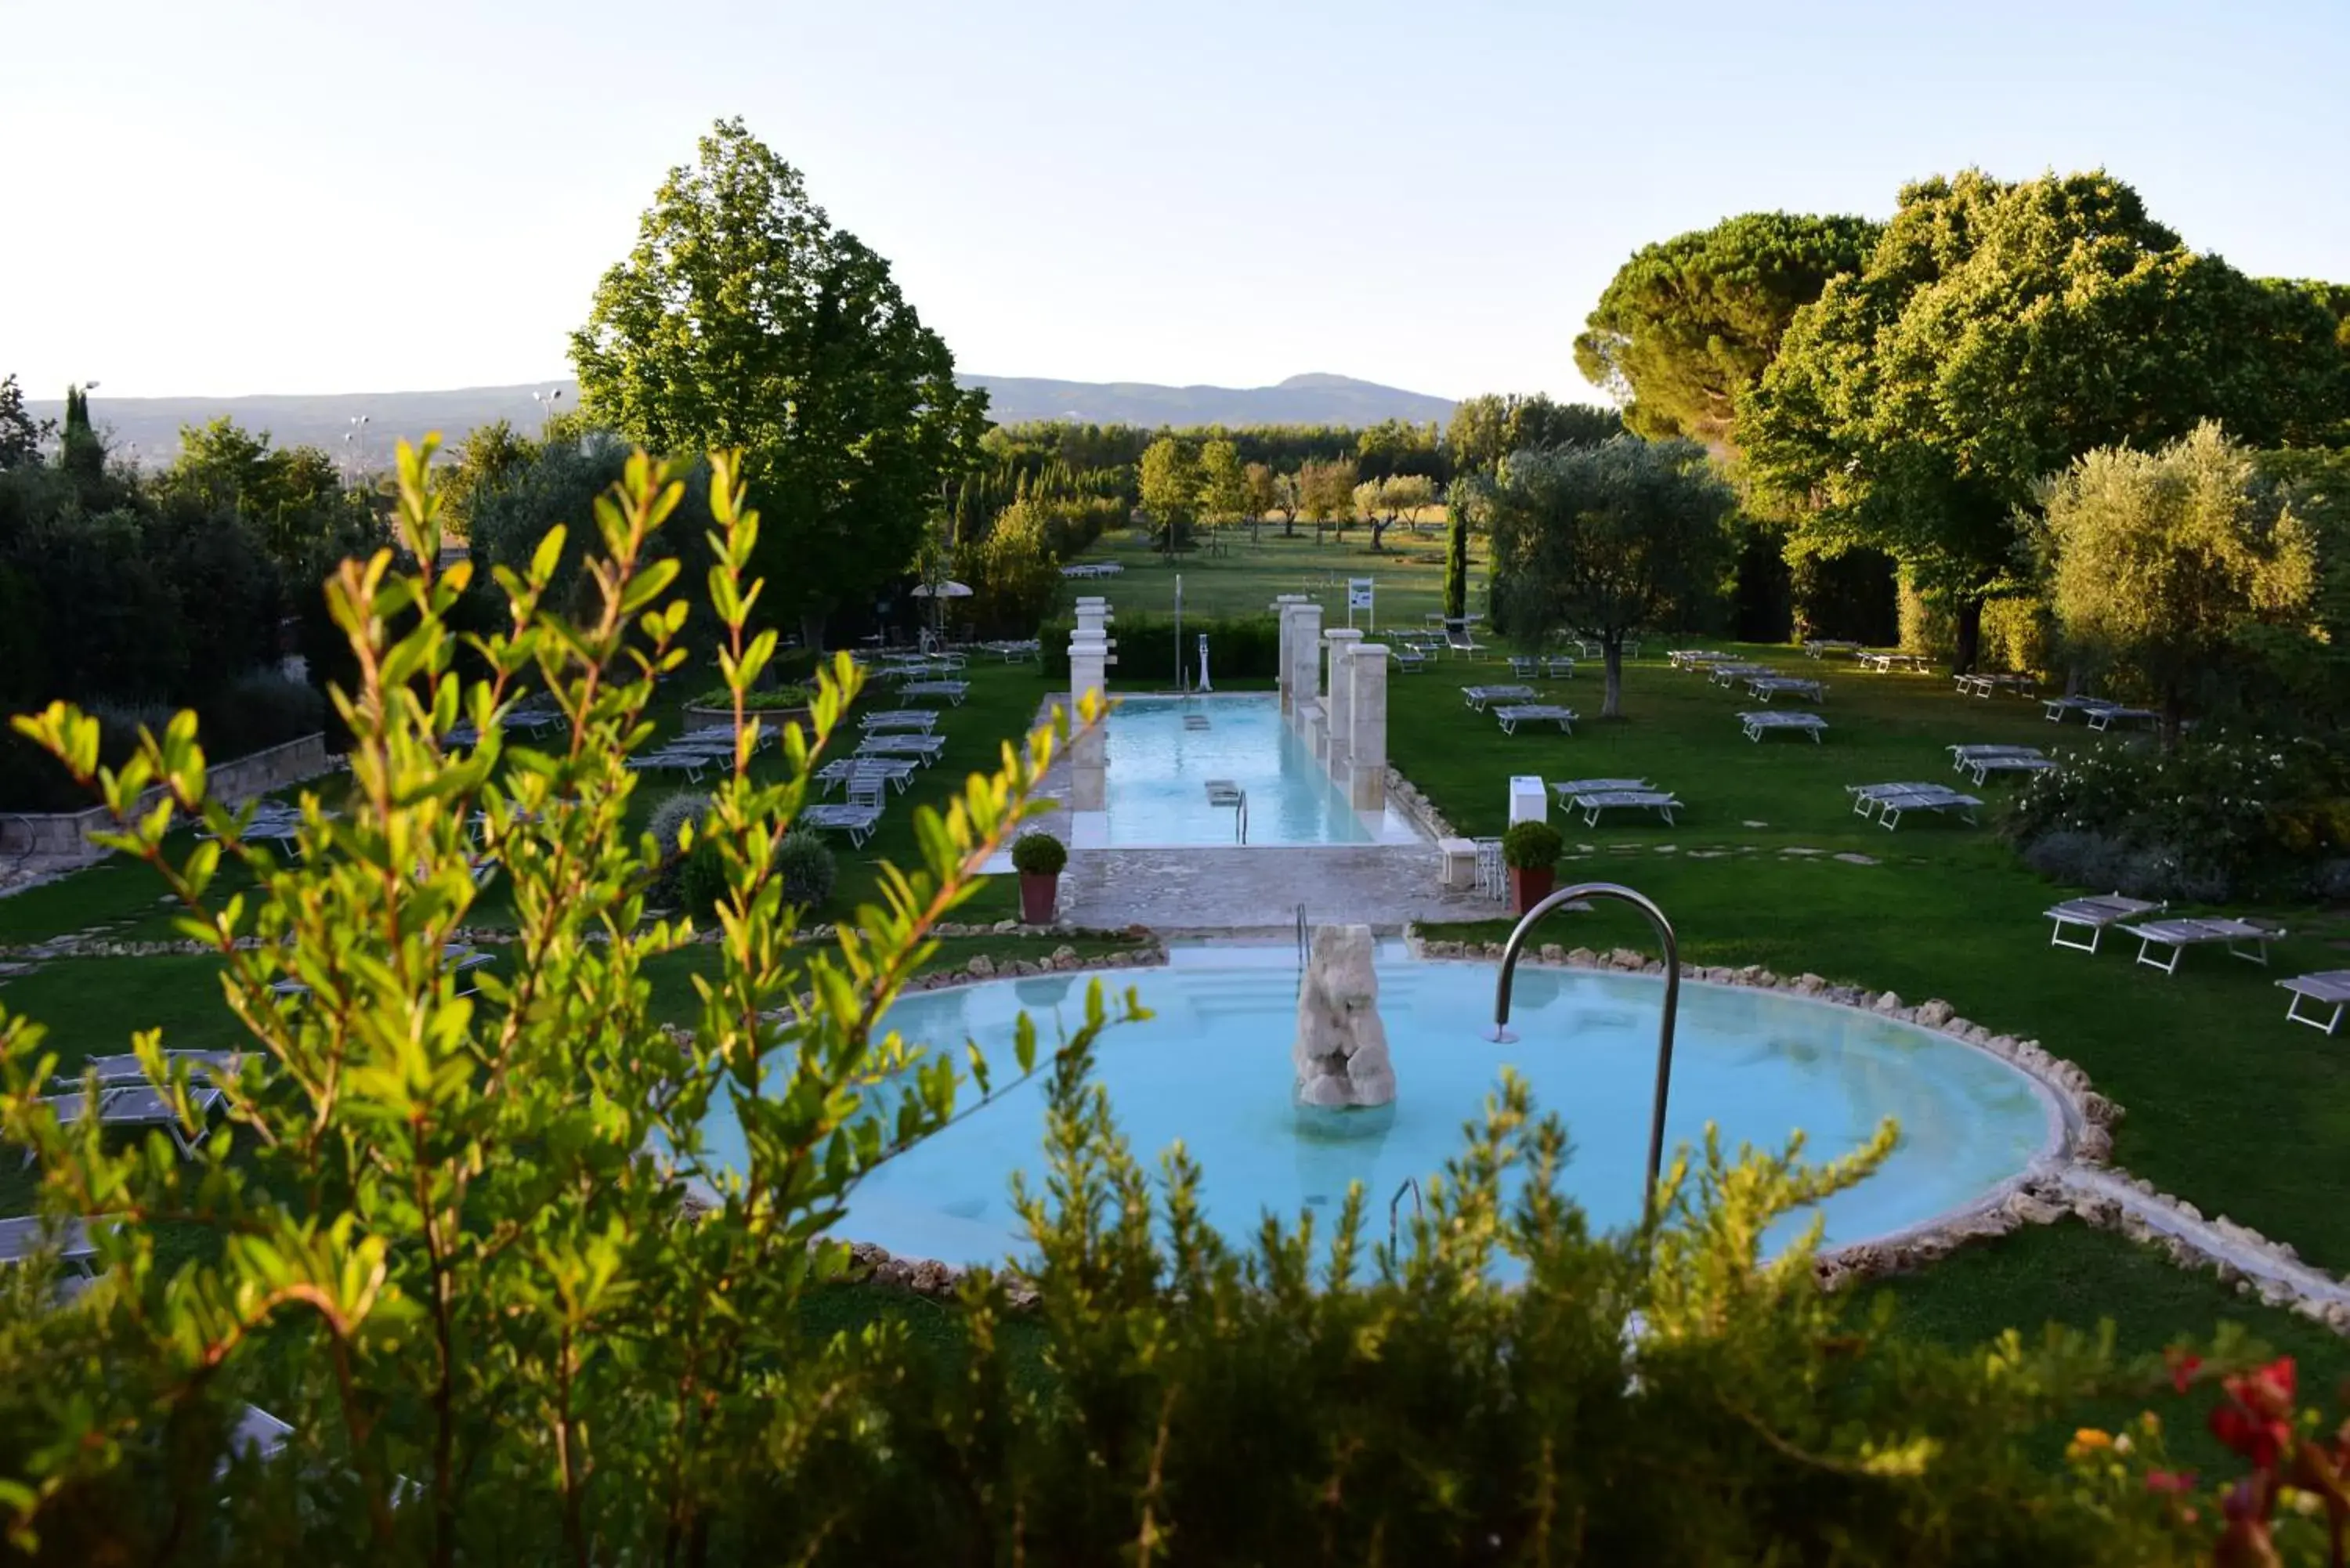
(1409, 574)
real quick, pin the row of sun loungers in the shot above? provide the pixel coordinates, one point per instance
(1984, 686)
(1548, 665)
(1093, 569)
(2162, 943)
(1514, 714)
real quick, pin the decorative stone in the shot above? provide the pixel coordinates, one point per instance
(980, 967)
(1889, 1002)
(1341, 1049)
(1935, 1013)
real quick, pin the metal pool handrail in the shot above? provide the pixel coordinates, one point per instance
(1303, 946)
(1663, 929)
(1411, 1185)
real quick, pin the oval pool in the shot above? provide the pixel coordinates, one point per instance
(1212, 1069)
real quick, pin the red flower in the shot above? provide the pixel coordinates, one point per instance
(2257, 1420)
(2170, 1480)
(2183, 1369)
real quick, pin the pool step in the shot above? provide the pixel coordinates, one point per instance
(1195, 721)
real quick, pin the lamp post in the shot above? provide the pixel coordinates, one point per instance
(547, 401)
(355, 446)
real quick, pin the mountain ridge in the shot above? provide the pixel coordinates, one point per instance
(148, 429)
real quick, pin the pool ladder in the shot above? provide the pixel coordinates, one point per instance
(1304, 948)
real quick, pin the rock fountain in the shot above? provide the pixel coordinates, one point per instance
(1341, 1049)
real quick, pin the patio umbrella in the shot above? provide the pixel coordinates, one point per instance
(946, 590)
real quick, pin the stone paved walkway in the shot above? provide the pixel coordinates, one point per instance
(1187, 891)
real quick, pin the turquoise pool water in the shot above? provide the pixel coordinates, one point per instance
(1160, 766)
(1212, 1069)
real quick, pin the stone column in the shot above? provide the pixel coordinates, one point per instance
(1093, 613)
(1089, 661)
(1304, 660)
(1342, 641)
(1282, 607)
(1367, 726)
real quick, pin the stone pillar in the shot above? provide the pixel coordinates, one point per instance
(1282, 607)
(1304, 660)
(1342, 641)
(1089, 661)
(1367, 726)
(1093, 613)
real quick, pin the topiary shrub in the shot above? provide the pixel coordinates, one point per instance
(805, 866)
(668, 826)
(702, 878)
(1531, 846)
(1039, 855)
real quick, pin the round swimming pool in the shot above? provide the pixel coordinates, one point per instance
(1212, 1068)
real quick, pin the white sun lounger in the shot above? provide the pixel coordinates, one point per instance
(1983, 767)
(140, 1105)
(2104, 718)
(692, 763)
(1732, 672)
(1478, 696)
(1536, 713)
(1593, 802)
(2093, 915)
(1888, 800)
(1555, 667)
(1768, 686)
(897, 770)
(1764, 721)
(1886, 663)
(2330, 985)
(125, 1068)
(1568, 789)
(897, 721)
(926, 747)
(2173, 938)
(1820, 646)
(1694, 658)
(951, 691)
(21, 1239)
(857, 818)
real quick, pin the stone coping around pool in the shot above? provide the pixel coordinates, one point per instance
(2073, 1176)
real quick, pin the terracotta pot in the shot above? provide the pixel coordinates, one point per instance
(1039, 890)
(1529, 885)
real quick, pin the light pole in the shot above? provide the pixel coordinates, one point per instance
(547, 401)
(355, 446)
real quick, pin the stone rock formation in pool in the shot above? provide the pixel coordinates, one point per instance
(1341, 1050)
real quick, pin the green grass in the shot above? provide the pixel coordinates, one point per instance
(1408, 574)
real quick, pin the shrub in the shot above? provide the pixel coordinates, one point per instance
(2213, 820)
(702, 879)
(774, 700)
(805, 866)
(666, 826)
(1243, 647)
(263, 709)
(1531, 846)
(1039, 855)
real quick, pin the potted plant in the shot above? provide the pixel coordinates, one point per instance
(1531, 851)
(1038, 857)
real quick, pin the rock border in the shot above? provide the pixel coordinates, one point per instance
(2075, 1176)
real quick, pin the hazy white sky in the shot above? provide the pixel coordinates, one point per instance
(244, 196)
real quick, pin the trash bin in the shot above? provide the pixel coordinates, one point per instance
(1528, 801)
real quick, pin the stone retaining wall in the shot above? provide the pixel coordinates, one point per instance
(41, 842)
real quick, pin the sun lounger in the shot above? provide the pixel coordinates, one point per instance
(1694, 658)
(2327, 986)
(2173, 938)
(858, 817)
(950, 691)
(1521, 665)
(898, 720)
(1768, 720)
(1535, 713)
(69, 1240)
(1592, 803)
(1768, 686)
(926, 747)
(1982, 685)
(1459, 640)
(112, 1071)
(1568, 789)
(141, 1107)
(2093, 915)
(1555, 667)
(1983, 767)
(692, 763)
(2106, 717)
(1016, 649)
(1888, 801)
(1729, 672)
(1821, 647)
(2097, 712)
(1886, 662)
(1409, 660)
(841, 771)
(1478, 696)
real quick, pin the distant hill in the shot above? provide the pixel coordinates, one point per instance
(1316, 399)
(151, 425)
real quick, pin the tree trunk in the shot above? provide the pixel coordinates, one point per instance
(812, 630)
(1969, 633)
(1611, 654)
(2173, 716)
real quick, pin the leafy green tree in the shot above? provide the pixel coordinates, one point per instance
(1326, 494)
(2161, 561)
(1688, 325)
(292, 498)
(491, 454)
(1170, 489)
(1998, 332)
(1261, 487)
(81, 451)
(1224, 483)
(743, 319)
(1460, 502)
(1394, 447)
(1606, 541)
(1014, 575)
(1382, 502)
(22, 437)
(1489, 428)
(1288, 499)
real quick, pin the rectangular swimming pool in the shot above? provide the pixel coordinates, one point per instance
(1163, 750)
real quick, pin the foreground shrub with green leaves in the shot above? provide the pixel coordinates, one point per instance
(472, 1249)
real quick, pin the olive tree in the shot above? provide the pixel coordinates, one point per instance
(1605, 541)
(2161, 560)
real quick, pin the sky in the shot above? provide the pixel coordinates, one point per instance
(241, 196)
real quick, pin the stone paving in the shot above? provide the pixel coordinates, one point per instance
(1178, 892)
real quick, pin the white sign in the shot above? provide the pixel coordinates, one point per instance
(1359, 597)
